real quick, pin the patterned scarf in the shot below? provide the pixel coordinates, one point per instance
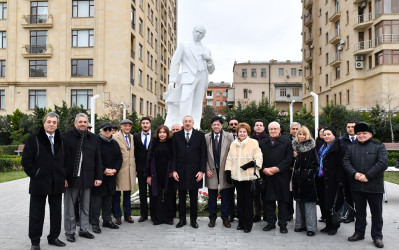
(79, 153)
(322, 153)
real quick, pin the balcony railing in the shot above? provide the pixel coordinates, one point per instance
(36, 49)
(308, 38)
(364, 45)
(308, 19)
(308, 74)
(308, 3)
(334, 36)
(33, 21)
(37, 19)
(132, 54)
(335, 58)
(308, 55)
(334, 13)
(388, 38)
(364, 18)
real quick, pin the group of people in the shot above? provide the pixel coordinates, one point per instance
(94, 171)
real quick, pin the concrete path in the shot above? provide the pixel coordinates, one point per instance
(14, 212)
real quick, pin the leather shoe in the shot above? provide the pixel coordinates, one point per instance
(325, 230)
(226, 223)
(96, 229)
(231, 218)
(356, 237)
(300, 229)
(194, 224)
(211, 223)
(332, 231)
(269, 227)
(129, 219)
(310, 233)
(142, 218)
(110, 224)
(118, 221)
(247, 230)
(181, 223)
(70, 237)
(257, 218)
(35, 247)
(86, 235)
(239, 227)
(348, 220)
(283, 230)
(378, 243)
(56, 242)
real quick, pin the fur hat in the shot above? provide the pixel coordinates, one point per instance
(332, 130)
(363, 127)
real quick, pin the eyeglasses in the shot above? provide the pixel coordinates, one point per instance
(233, 124)
(107, 129)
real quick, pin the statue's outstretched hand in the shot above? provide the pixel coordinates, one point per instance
(206, 57)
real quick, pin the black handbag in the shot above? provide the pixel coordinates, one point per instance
(258, 185)
(339, 215)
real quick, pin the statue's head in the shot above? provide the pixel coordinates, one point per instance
(198, 33)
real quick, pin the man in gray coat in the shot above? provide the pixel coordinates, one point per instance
(218, 145)
(365, 162)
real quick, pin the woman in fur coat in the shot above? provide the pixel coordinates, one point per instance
(303, 182)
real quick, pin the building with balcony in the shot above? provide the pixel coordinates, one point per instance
(53, 51)
(216, 95)
(278, 81)
(353, 56)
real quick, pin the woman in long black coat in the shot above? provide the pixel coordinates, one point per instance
(330, 175)
(303, 182)
(159, 176)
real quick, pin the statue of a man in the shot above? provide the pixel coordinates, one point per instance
(186, 90)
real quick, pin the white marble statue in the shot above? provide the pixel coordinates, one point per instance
(186, 88)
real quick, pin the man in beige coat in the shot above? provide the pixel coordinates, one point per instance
(126, 178)
(218, 145)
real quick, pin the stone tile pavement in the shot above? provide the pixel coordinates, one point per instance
(14, 212)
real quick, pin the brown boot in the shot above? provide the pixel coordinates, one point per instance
(118, 221)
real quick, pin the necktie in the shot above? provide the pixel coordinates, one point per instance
(217, 142)
(52, 144)
(187, 137)
(145, 141)
(235, 136)
(352, 138)
(127, 141)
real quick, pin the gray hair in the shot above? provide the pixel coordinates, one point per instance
(274, 122)
(188, 116)
(51, 114)
(295, 124)
(81, 115)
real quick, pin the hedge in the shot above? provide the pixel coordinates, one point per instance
(10, 163)
(8, 150)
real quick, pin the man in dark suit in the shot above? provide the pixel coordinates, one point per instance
(141, 142)
(294, 126)
(43, 162)
(277, 160)
(189, 166)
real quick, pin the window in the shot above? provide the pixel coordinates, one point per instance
(82, 8)
(209, 93)
(300, 72)
(337, 72)
(3, 39)
(140, 52)
(327, 99)
(244, 73)
(224, 103)
(37, 98)
(209, 102)
(82, 38)
(263, 72)
(150, 108)
(38, 12)
(283, 92)
(335, 99)
(340, 98)
(37, 68)
(82, 67)
(326, 58)
(133, 17)
(2, 68)
(326, 79)
(131, 73)
(217, 93)
(295, 92)
(141, 106)
(386, 7)
(81, 97)
(347, 96)
(225, 93)
(245, 93)
(370, 62)
(2, 98)
(140, 78)
(38, 41)
(140, 26)
(253, 72)
(263, 94)
(347, 67)
(218, 103)
(281, 72)
(326, 38)
(3, 11)
(293, 71)
(133, 103)
(387, 57)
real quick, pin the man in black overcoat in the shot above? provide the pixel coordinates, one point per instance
(277, 160)
(189, 166)
(43, 162)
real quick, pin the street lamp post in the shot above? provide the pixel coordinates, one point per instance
(291, 112)
(316, 113)
(93, 112)
(124, 110)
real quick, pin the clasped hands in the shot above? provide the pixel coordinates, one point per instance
(199, 176)
(361, 177)
(270, 171)
(109, 172)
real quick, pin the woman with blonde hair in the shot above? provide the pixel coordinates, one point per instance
(303, 182)
(243, 162)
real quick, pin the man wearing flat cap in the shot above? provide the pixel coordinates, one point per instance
(126, 178)
(365, 162)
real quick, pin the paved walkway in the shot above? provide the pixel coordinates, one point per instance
(14, 211)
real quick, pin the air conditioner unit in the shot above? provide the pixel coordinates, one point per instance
(359, 58)
(288, 95)
(250, 90)
(311, 46)
(339, 48)
(39, 20)
(342, 42)
(40, 51)
(359, 65)
(363, 4)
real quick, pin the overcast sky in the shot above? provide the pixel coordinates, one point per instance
(256, 30)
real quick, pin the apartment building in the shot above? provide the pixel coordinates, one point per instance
(57, 50)
(278, 81)
(351, 52)
(216, 96)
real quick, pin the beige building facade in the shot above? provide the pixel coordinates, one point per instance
(278, 81)
(351, 53)
(56, 50)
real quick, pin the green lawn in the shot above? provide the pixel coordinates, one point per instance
(392, 177)
(10, 176)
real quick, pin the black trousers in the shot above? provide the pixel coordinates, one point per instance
(320, 195)
(290, 206)
(162, 206)
(225, 195)
(193, 204)
(258, 204)
(100, 205)
(375, 202)
(270, 211)
(143, 194)
(36, 216)
(245, 204)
